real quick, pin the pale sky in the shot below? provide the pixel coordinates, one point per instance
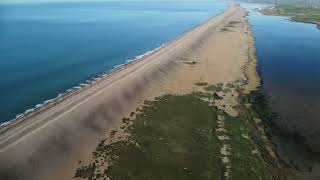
(39, 1)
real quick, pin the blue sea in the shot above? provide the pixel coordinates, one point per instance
(289, 65)
(48, 48)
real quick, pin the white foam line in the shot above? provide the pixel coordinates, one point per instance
(48, 101)
(6, 123)
(93, 79)
(19, 115)
(88, 82)
(29, 110)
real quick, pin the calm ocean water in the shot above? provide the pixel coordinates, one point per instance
(48, 48)
(289, 64)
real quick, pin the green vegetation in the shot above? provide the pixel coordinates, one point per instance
(232, 24)
(245, 156)
(288, 2)
(171, 138)
(297, 13)
(224, 29)
(214, 88)
(227, 27)
(201, 84)
(181, 137)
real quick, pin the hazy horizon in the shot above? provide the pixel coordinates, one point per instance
(52, 1)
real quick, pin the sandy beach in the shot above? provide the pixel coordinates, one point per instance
(48, 144)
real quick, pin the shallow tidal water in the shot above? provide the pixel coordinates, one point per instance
(289, 64)
(48, 48)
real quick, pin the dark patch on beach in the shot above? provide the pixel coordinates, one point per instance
(115, 106)
(11, 173)
(127, 95)
(92, 122)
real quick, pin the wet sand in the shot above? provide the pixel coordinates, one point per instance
(49, 143)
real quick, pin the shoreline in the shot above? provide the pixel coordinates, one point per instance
(39, 108)
(254, 80)
(54, 141)
(306, 22)
(75, 90)
(290, 18)
(231, 99)
(294, 148)
(51, 137)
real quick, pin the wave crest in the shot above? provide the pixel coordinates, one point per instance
(87, 83)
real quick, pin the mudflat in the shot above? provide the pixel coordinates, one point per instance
(48, 144)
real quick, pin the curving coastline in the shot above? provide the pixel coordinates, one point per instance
(292, 15)
(231, 97)
(49, 143)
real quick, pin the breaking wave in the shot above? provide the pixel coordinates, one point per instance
(80, 86)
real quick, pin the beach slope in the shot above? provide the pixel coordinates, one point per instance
(48, 143)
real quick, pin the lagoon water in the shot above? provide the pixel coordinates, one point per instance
(289, 64)
(47, 48)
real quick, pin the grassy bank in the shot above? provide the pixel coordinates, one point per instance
(185, 137)
(297, 13)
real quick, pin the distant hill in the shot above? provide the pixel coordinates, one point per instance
(288, 2)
